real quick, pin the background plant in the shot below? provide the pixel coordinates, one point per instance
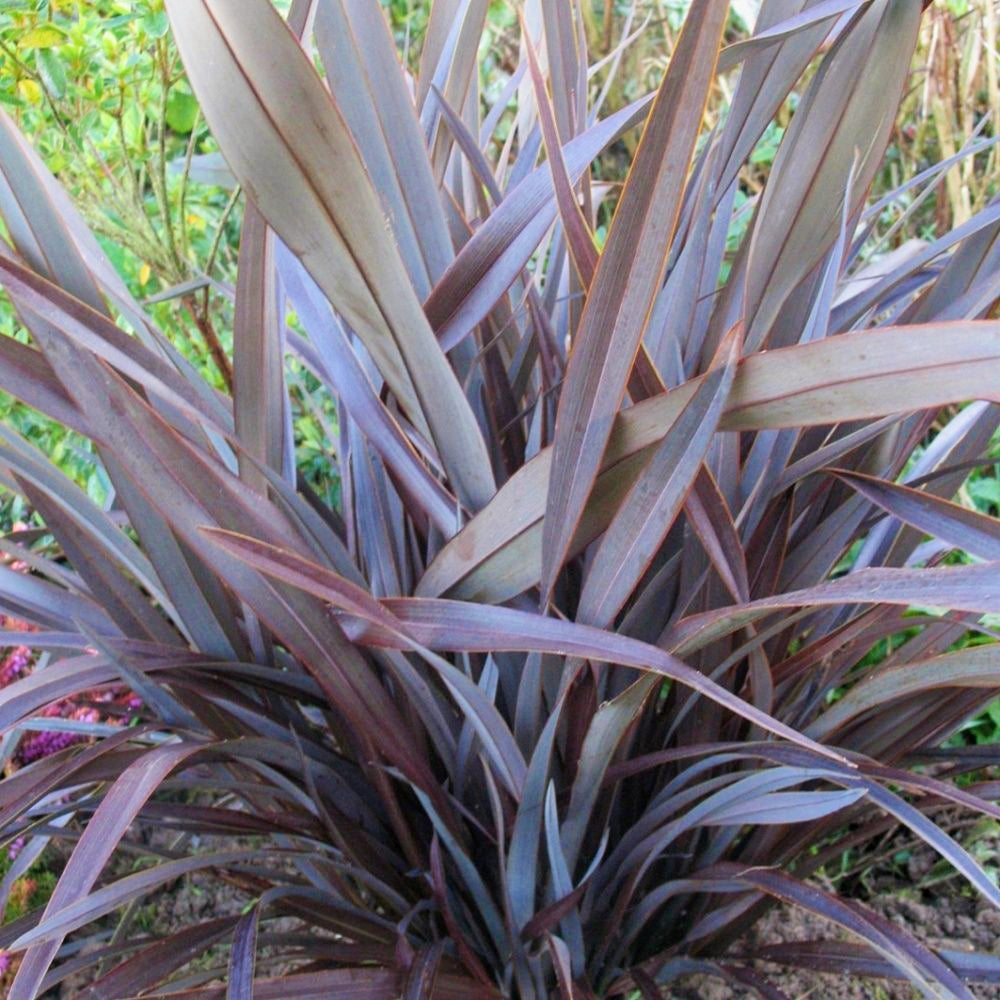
(447, 788)
(29, 884)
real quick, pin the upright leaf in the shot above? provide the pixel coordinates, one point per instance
(629, 274)
(848, 110)
(646, 515)
(260, 399)
(246, 66)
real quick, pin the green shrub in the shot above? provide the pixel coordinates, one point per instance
(574, 682)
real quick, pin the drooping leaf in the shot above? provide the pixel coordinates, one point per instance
(157, 960)
(917, 963)
(112, 818)
(975, 666)
(476, 628)
(974, 588)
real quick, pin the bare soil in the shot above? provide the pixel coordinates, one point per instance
(941, 920)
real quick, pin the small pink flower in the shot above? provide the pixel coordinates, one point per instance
(14, 664)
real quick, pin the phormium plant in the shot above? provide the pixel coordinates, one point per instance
(574, 683)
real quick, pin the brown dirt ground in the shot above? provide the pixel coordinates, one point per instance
(941, 920)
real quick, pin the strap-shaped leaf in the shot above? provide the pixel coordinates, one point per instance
(847, 112)
(646, 515)
(608, 728)
(28, 376)
(974, 667)
(851, 377)
(30, 466)
(629, 275)
(965, 588)
(110, 897)
(330, 354)
(494, 735)
(45, 604)
(447, 68)
(161, 958)
(368, 84)
(916, 962)
(107, 826)
(784, 807)
(43, 303)
(525, 840)
(304, 173)
(37, 225)
(844, 958)
(71, 675)
(362, 982)
(775, 23)
(497, 252)
(785, 39)
(259, 398)
(458, 626)
(965, 529)
(118, 595)
(190, 490)
(243, 957)
(578, 236)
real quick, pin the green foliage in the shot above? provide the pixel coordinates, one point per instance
(100, 89)
(35, 888)
(540, 605)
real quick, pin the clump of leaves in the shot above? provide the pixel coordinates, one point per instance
(574, 682)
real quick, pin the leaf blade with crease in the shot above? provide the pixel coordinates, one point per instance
(963, 528)
(648, 512)
(631, 269)
(244, 64)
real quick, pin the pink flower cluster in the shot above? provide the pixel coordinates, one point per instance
(110, 706)
(14, 664)
(36, 745)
